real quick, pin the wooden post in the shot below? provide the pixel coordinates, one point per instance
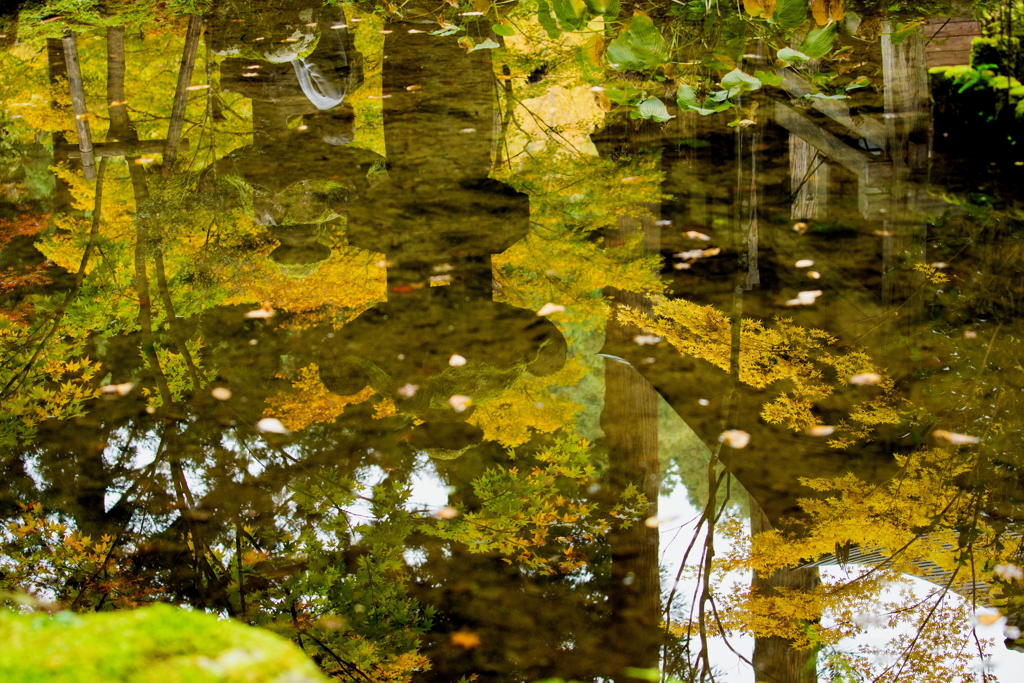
(188, 65)
(808, 172)
(78, 104)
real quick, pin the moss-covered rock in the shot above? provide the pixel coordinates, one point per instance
(162, 644)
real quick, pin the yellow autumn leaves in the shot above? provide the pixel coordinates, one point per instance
(823, 11)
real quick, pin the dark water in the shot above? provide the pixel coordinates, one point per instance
(472, 343)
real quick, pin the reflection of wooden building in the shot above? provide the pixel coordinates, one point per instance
(948, 40)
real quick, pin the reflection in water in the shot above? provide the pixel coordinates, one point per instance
(405, 333)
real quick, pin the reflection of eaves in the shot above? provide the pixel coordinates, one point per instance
(923, 569)
(866, 127)
(874, 176)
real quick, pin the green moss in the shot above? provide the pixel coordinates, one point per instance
(162, 644)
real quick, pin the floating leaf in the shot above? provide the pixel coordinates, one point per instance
(271, 425)
(956, 439)
(459, 402)
(408, 390)
(866, 379)
(503, 30)
(646, 339)
(467, 640)
(119, 389)
(549, 308)
(735, 438)
(456, 361)
(221, 393)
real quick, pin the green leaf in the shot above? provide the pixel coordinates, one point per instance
(819, 42)
(622, 94)
(646, 40)
(788, 54)
(487, 44)
(503, 30)
(571, 14)
(606, 8)
(546, 20)
(686, 97)
(639, 47)
(860, 82)
(790, 13)
(446, 31)
(654, 108)
(768, 77)
(737, 81)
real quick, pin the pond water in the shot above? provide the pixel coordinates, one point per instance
(518, 341)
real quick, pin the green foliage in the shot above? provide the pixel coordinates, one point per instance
(639, 47)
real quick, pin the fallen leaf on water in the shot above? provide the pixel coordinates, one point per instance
(413, 87)
(646, 339)
(271, 425)
(703, 402)
(821, 430)
(142, 161)
(467, 640)
(988, 618)
(804, 263)
(549, 308)
(713, 251)
(459, 402)
(954, 438)
(655, 522)
(814, 275)
(456, 361)
(118, 103)
(939, 265)
(681, 266)
(800, 227)
(631, 179)
(736, 438)
(447, 512)
(693, 253)
(221, 393)
(1009, 572)
(119, 389)
(865, 379)
(203, 86)
(882, 233)
(970, 334)
(408, 390)
(694, 235)
(266, 311)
